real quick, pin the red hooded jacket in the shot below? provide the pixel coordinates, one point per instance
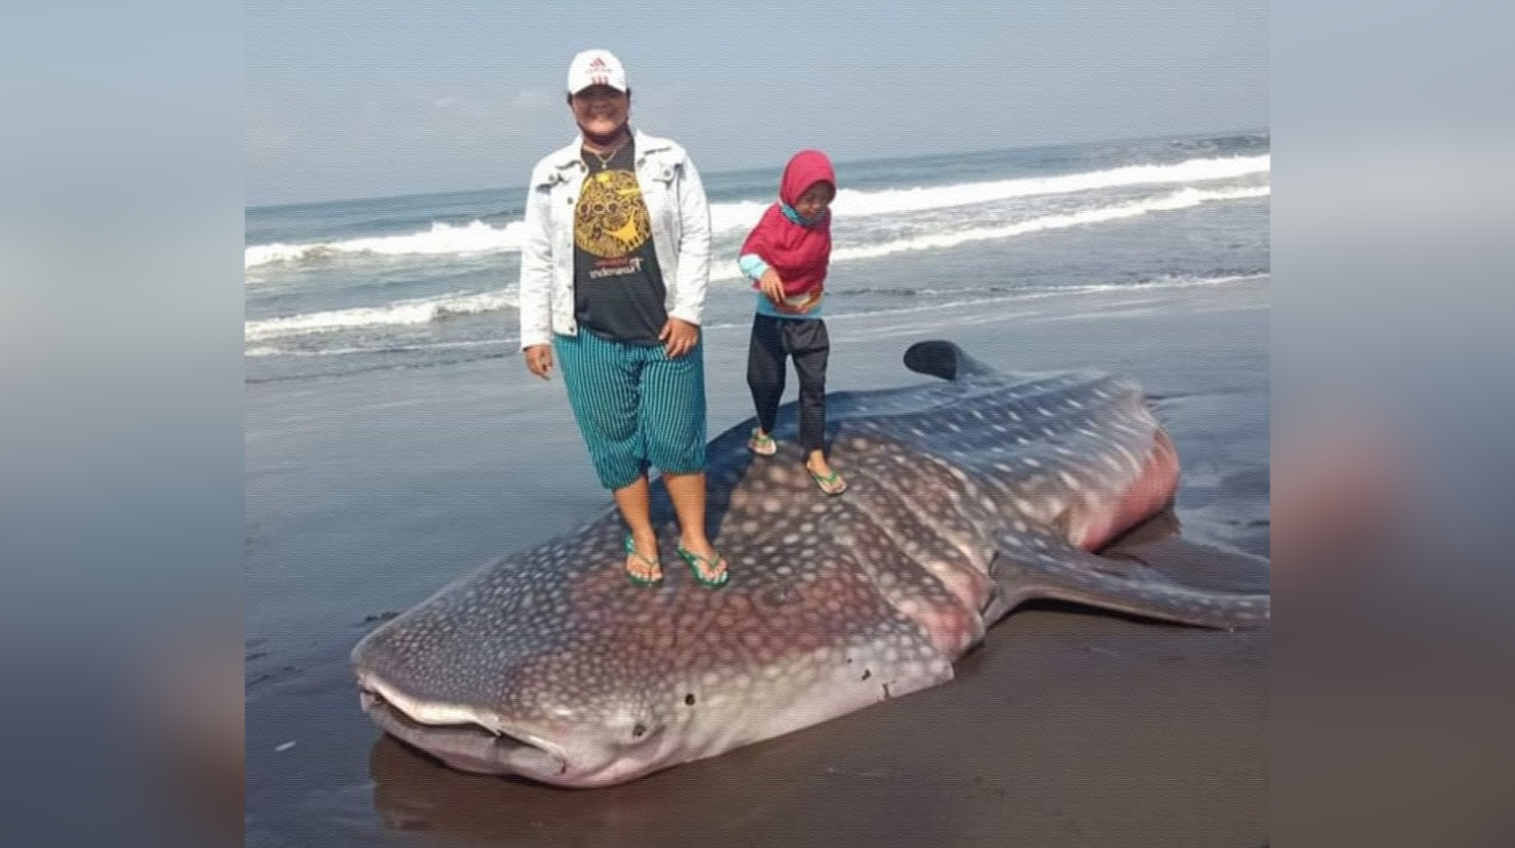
(799, 253)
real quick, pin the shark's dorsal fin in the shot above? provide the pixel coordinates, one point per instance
(943, 359)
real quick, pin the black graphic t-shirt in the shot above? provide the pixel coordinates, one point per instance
(618, 287)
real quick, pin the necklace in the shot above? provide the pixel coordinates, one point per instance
(605, 160)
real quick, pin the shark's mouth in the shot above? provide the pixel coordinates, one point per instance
(461, 741)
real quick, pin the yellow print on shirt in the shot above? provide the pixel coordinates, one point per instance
(611, 219)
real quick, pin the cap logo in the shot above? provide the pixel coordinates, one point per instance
(595, 67)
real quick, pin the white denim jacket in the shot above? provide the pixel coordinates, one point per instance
(680, 216)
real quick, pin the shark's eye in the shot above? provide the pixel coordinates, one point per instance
(689, 699)
(639, 731)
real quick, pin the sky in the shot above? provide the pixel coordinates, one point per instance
(350, 100)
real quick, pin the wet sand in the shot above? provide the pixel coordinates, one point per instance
(1066, 727)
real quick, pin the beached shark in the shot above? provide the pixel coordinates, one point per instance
(967, 496)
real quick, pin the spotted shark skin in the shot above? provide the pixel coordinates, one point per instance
(966, 498)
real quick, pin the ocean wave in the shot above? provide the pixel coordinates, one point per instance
(858, 204)
(1162, 281)
(988, 296)
(1181, 199)
(424, 310)
(475, 237)
(399, 313)
(1166, 281)
(426, 347)
(992, 295)
(478, 237)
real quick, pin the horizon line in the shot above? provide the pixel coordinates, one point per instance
(266, 207)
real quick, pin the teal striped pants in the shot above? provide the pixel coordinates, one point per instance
(635, 407)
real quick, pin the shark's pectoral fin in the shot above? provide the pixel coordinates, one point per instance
(1032, 566)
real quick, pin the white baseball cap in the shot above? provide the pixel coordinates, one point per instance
(595, 67)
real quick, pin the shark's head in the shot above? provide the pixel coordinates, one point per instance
(515, 670)
(554, 667)
(568, 745)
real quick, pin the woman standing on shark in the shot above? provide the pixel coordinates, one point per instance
(614, 266)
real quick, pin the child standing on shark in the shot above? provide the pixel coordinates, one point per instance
(786, 256)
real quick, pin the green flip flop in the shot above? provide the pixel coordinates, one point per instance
(652, 565)
(694, 561)
(762, 444)
(832, 484)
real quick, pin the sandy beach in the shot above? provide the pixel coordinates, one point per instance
(366, 492)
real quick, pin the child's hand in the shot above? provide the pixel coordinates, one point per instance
(772, 287)
(802, 307)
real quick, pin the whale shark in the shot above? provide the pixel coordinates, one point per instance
(969, 495)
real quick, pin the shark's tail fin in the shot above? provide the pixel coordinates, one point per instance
(943, 359)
